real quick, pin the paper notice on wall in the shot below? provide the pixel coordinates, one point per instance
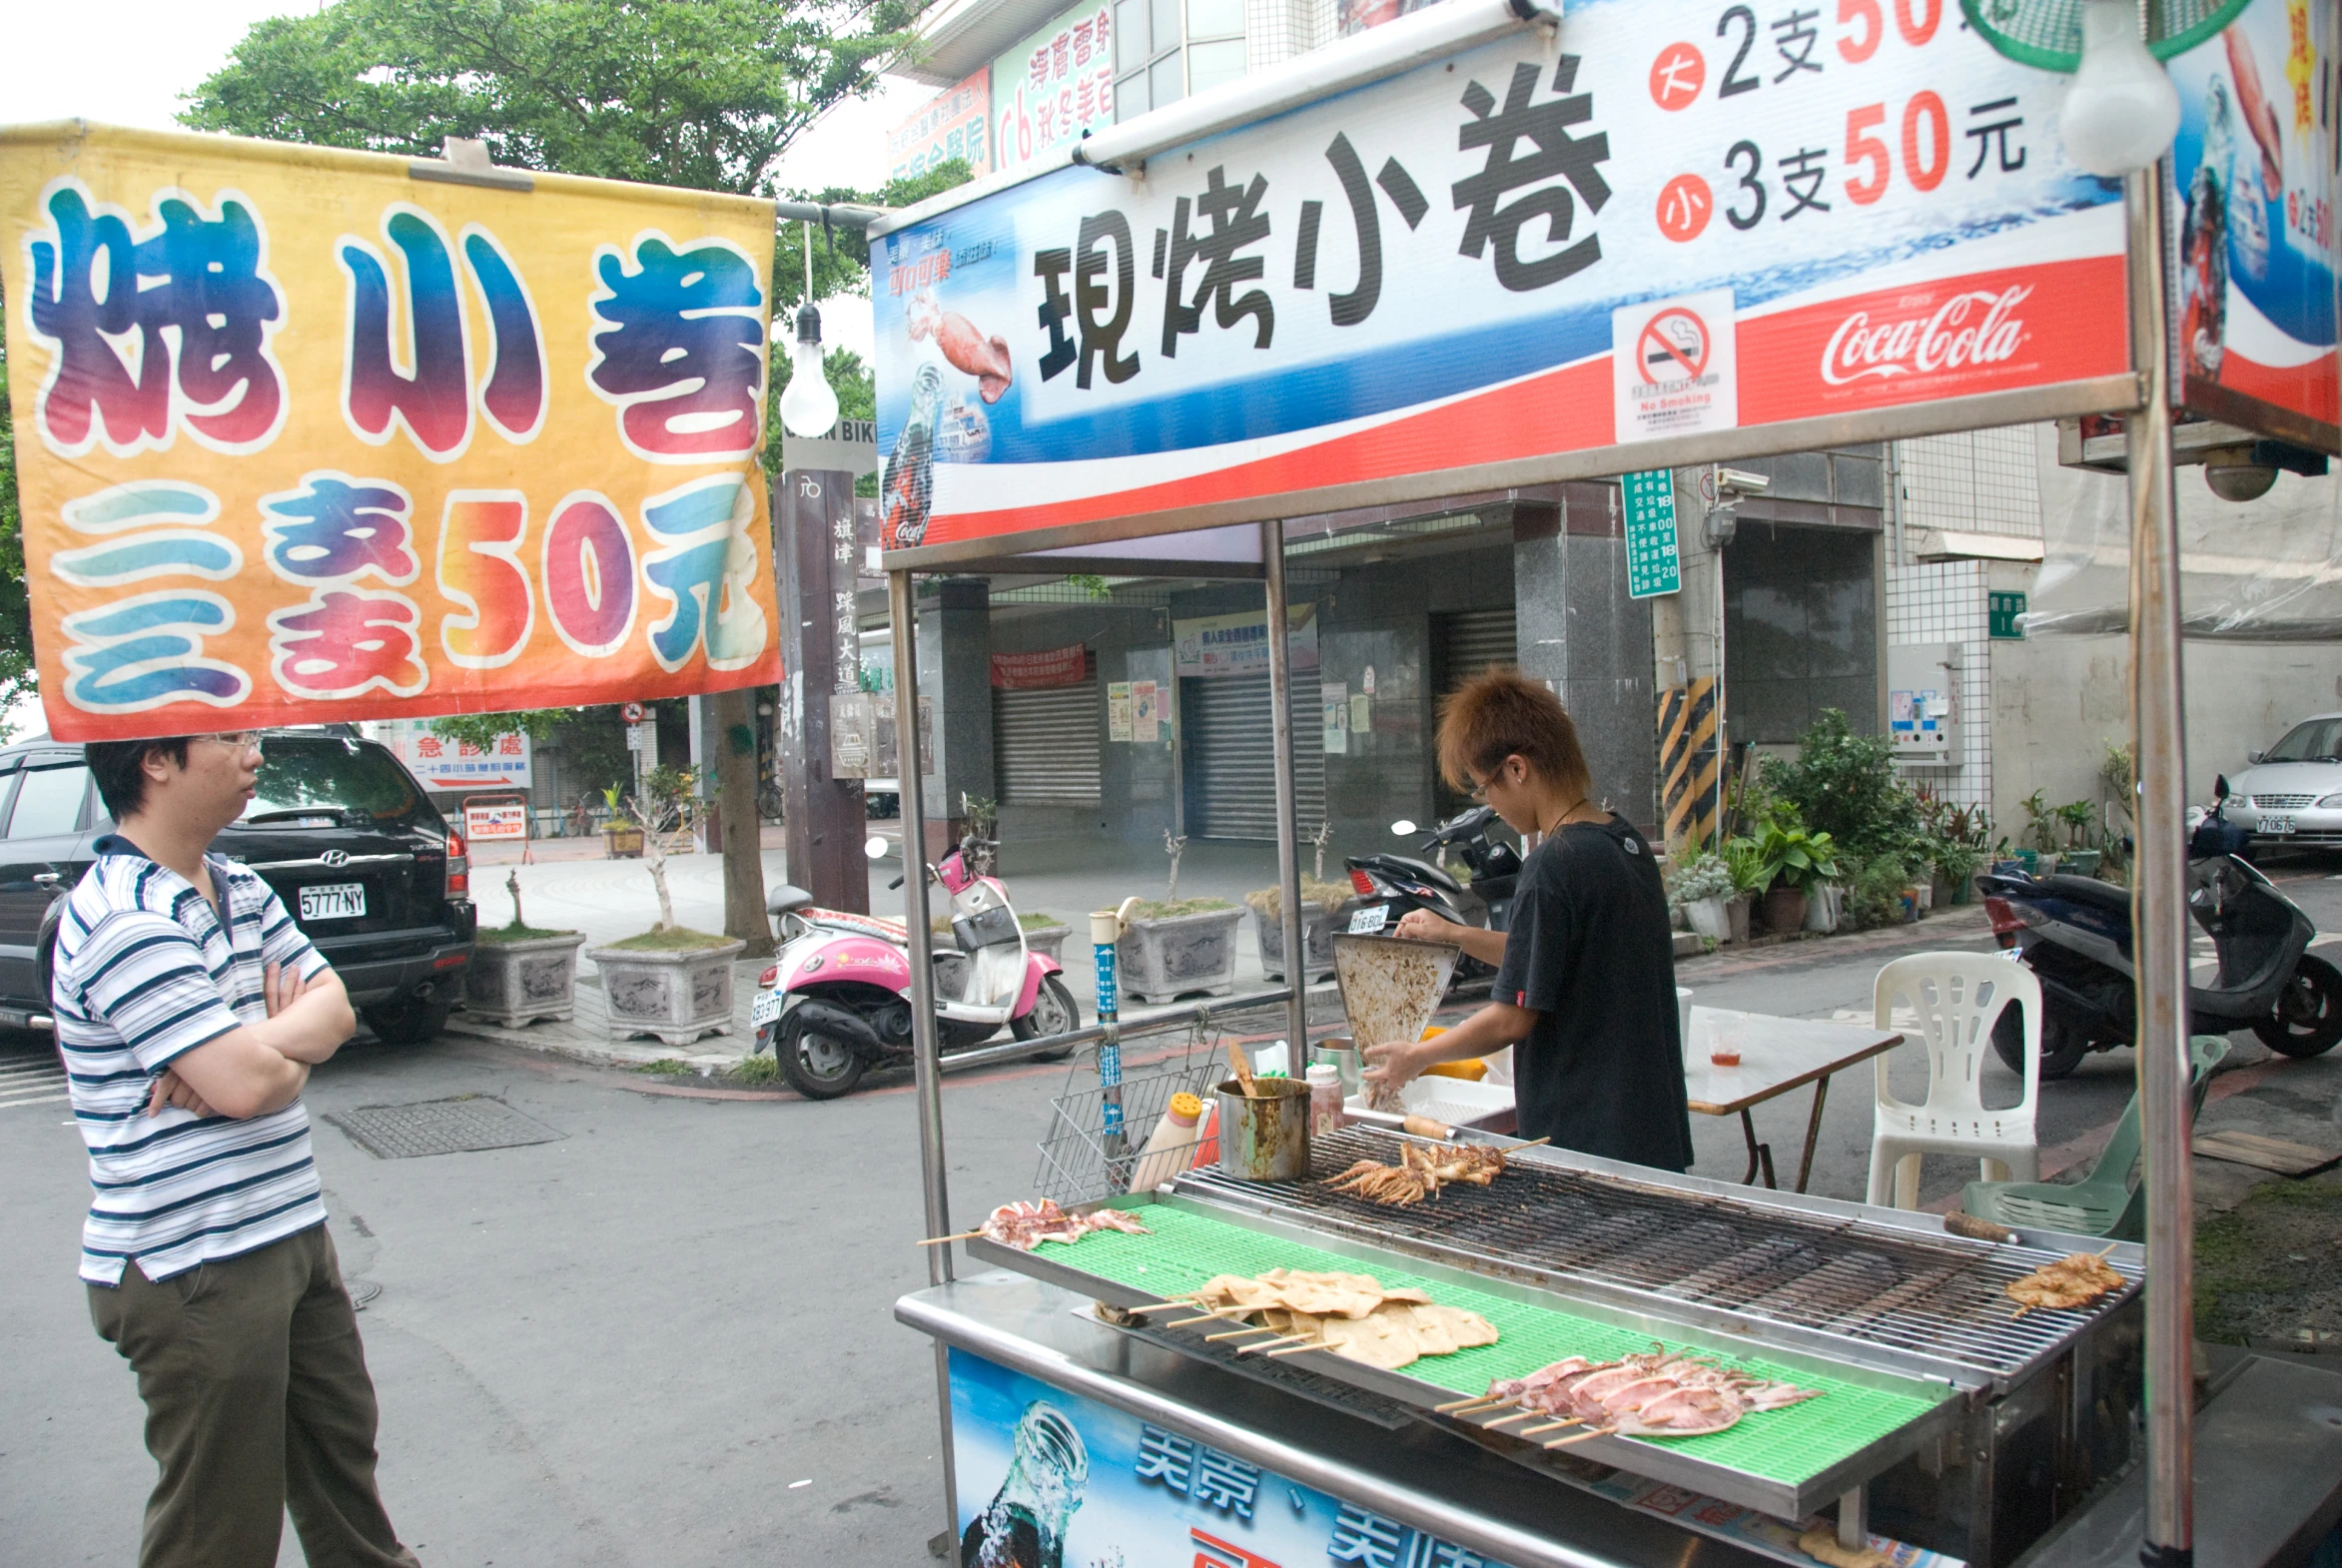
(1118, 710)
(1145, 711)
(1335, 699)
(1673, 366)
(1361, 712)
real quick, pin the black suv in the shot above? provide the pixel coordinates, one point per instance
(338, 827)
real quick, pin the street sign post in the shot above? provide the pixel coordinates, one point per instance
(1652, 564)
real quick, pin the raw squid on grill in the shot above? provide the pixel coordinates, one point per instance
(1025, 1225)
(1656, 1395)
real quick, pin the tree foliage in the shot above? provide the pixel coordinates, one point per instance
(704, 94)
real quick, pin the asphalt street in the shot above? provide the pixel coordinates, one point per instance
(664, 1336)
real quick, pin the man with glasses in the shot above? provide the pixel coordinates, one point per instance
(189, 1010)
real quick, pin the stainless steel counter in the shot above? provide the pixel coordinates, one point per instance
(1415, 1472)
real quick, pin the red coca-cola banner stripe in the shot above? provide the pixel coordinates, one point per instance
(1065, 666)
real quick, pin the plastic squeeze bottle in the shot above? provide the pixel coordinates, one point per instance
(1325, 1112)
(1170, 1146)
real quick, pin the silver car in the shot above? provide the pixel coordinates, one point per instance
(2293, 793)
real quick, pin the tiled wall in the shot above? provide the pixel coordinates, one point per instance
(1276, 30)
(1976, 481)
(1946, 602)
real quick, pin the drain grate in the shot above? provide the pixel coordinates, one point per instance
(441, 1127)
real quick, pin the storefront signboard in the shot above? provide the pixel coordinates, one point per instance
(302, 434)
(1650, 235)
(2252, 198)
(955, 123)
(444, 764)
(1652, 564)
(506, 822)
(1214, 645)
(1065, 666)
(1053, 88)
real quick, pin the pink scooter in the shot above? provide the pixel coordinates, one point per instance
(837, 1000)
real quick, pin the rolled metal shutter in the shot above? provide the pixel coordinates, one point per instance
(1472, 640)
(1046, 744)
(1230, 766)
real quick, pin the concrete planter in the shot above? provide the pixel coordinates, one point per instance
(623, 843)
(676, 996)
(1736, 916)
(1049, 940)
(1825, 906)
(1157, 959)
(514, 983)
(1316, 941)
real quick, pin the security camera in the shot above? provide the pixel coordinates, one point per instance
(1742, 482)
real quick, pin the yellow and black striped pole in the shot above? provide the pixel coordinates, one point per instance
(1687, 760)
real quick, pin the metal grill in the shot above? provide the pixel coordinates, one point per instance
(1934, 1298)
(2281, 802)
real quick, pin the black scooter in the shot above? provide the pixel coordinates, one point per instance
(2074, 934)
(1390, 885)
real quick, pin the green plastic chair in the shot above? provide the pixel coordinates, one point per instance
(2110, 1202)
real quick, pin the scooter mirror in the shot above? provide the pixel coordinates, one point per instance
(875, 847)
(1403, 826)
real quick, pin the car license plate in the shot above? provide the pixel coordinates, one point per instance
(1366, 922)
(766, 1009)
(334, 901)
(2276, 824)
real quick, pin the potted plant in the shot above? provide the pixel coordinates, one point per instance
(1747, 864)
(519, 974)
(1703, 883)
(1793, 860)
(622, 836)
(1320, 897)
(2078, 859)
(670, 981)
(1173, 945)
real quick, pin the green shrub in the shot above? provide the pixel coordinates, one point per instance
(1845, 785)
(1702, 875)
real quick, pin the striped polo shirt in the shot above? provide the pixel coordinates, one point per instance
(146, 972)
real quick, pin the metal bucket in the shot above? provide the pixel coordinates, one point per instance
(1342, 1053)
(1264, 1138)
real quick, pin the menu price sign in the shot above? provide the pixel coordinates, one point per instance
(1652, 565)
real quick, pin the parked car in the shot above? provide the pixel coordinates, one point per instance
(364, 862)
(2293, 793)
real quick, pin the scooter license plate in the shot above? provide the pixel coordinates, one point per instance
(766, 1009)
(2276, 825)
(1366, 921)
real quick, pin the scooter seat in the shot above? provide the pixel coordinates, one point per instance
(2087, 890)
(785, 899)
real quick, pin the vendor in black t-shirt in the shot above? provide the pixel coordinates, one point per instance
(1585, 979)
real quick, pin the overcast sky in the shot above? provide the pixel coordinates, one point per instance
(126, 62)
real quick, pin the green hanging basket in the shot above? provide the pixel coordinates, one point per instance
(2048, 33)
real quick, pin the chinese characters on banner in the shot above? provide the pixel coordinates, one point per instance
(1238, 644)
(1053, 87)
(444, 764)
(2252, 173)
(955, 123)
(1065, 666)
(1762, 217)
(303, 437)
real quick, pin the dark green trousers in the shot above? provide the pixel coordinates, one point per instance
(258, 1401)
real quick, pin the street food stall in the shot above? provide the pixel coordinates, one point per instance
(1478, 247)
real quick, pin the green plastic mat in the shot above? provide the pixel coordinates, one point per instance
(1790, 1447)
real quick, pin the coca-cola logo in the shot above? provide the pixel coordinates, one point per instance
(1977, 328)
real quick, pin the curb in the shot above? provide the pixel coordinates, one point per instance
(622, 1056)
(1958, 923)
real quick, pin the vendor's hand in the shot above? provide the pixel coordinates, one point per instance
(1390, 1067)
(280, 987)
(1420, 925)
(172, 1090)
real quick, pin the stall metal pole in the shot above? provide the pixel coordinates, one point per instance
(926, 1061)
(1289, 844)
(2159, 919)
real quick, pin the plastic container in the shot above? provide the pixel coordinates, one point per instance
(1325, 1097)
(1170, 1148)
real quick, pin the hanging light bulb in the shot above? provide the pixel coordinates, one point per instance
(2121, 111)
(808, 407)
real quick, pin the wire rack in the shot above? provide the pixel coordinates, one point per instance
(1076, 1165)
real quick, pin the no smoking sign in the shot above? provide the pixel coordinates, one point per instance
(1673, 367)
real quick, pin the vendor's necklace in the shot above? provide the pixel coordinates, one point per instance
(1562, 821)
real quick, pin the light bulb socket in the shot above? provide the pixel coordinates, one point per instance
(808, 324)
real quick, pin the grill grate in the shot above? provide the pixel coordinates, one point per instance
(1937, 1298)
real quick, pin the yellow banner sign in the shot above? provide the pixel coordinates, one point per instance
(308, 434)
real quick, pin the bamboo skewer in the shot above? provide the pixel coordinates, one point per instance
(1263, 1344)
(1550, 1426)
(1214, 1314)
(1454, 1405)
(1297, 1350)
(1507, 1420)
(1579, 1437)
(945, 1241)
(1239, 1333)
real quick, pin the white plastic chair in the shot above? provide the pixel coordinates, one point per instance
(1956, 998)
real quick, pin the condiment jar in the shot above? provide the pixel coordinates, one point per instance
(1325, 1099)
